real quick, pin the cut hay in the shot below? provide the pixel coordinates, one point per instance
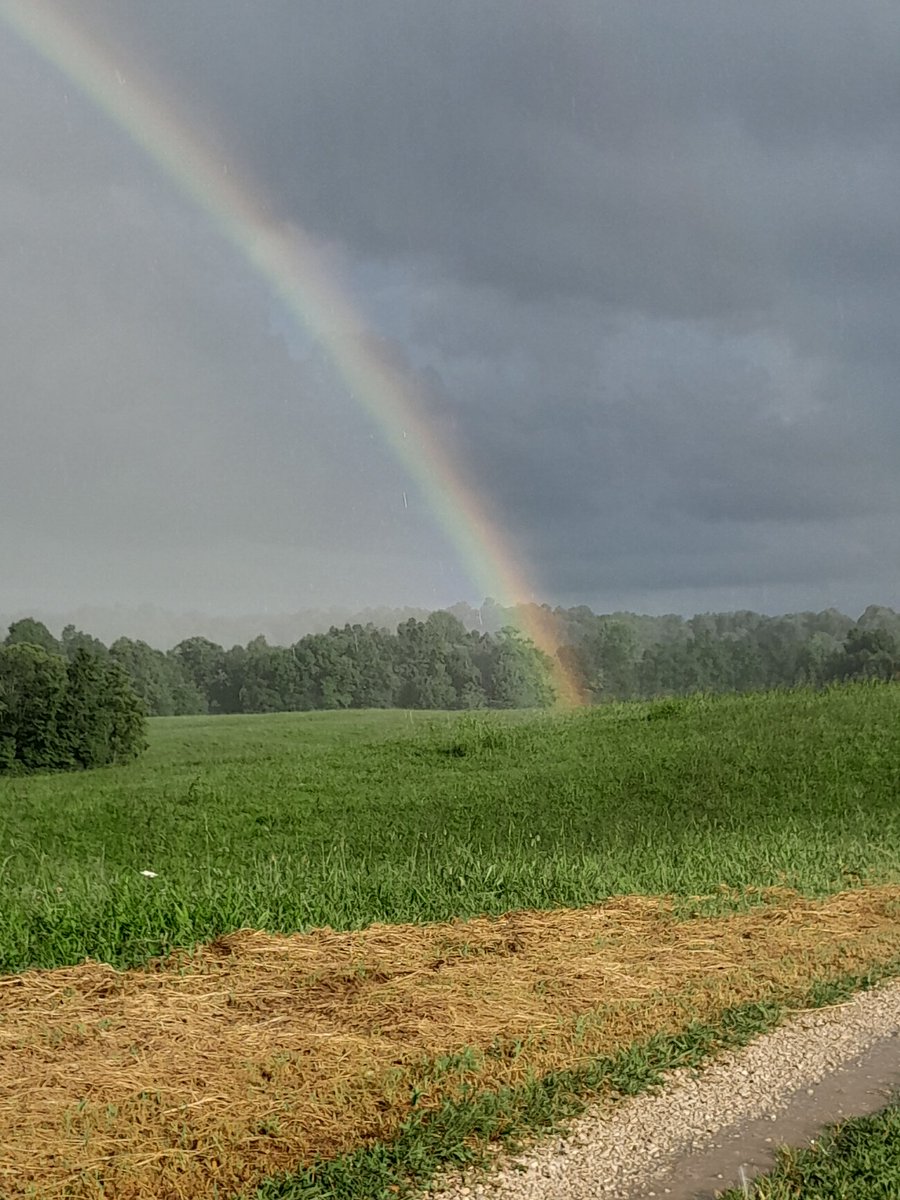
(201, 1075)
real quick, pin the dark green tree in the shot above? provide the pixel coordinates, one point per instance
(73, 639)
(423, 648)
(872, 653)
(159, 679)
(271, 679)
(609, 656)
(328, 677)
(58, 715)
(519, 673)
(127, 736)
(101, 718)
(375, 653)
(815, 657)
(85, 721)
(32, 690)
(29, 632)
(212, 674)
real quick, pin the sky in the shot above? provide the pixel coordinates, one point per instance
(638, 260)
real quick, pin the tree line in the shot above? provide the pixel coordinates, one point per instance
(431, 664)
(448, 661)
(625, 656)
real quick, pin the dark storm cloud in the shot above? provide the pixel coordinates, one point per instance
(641, 259)
(671, 156)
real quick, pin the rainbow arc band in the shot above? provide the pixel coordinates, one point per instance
(297, 272)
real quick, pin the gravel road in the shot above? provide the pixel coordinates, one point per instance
(646, 1146)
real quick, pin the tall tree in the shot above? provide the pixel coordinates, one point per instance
(32, 689)
(29, 632)
(520, 673)
(74, 639)
(610, 654)
(872, 653)
(159, 679)
(204, 663)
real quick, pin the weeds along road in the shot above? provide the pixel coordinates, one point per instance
(718, 1127)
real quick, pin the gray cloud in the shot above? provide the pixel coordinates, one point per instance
(639, 260)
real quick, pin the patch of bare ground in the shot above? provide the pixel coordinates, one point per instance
(202, 1074)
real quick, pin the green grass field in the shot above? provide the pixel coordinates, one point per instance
(293, 821)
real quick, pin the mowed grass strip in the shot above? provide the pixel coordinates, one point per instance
(295, 821)
(258, 1053)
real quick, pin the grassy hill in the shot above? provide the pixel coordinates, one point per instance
(294, 821)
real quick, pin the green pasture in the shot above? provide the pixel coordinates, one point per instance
(292, 821)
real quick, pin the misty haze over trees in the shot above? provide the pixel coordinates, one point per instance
(468, 658)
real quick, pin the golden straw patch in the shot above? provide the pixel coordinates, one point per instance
(201, 1075)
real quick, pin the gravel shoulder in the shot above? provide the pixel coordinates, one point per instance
(711, 1129)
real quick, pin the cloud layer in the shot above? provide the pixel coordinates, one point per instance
(640, 260)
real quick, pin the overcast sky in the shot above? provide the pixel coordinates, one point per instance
(640, 259)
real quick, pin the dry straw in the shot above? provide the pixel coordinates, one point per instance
(198, 1076)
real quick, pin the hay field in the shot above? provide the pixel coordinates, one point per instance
(751, 846)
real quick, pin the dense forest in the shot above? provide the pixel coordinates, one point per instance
(435, 663)
(469, 658)
(625, 656)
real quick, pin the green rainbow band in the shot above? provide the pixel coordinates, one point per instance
(286, 258)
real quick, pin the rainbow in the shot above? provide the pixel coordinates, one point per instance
(289, 262)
